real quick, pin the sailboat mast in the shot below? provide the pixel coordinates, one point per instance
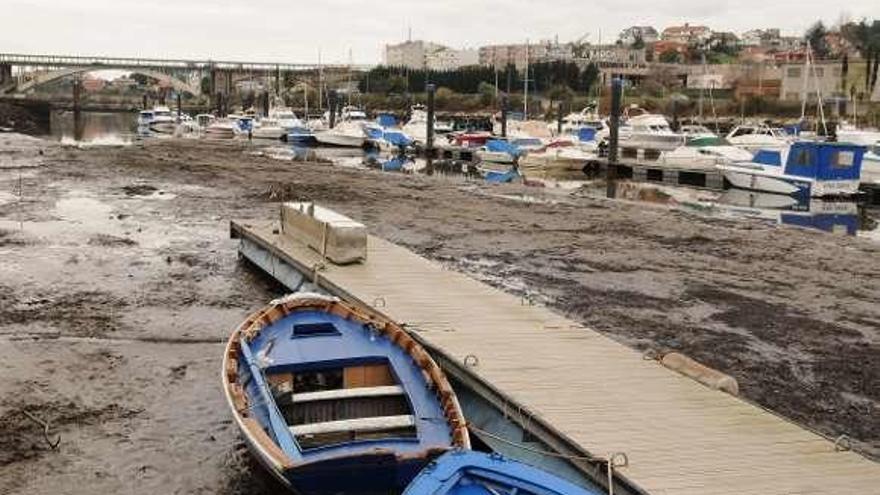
(320, 83)
(526, 86)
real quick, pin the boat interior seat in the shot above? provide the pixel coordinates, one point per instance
(348, 393)
(379, 423)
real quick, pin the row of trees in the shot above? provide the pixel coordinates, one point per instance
(546, 77)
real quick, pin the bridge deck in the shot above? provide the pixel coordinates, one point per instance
(680, 437)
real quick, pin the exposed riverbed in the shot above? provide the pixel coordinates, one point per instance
(119, 283)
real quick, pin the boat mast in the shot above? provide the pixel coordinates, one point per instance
(320, 83)
(526, 85)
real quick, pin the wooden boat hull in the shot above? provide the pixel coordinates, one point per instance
(303, 462)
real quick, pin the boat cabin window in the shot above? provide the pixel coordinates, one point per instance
(843, 159)
(332, 406)
(322, 329)
(743, 131)
(803, 158)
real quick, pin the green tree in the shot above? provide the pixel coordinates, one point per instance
(815, 37)
(670, 57)
(638, 43)
(487, 93)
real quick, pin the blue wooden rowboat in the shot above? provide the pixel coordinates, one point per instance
(473, 473)
(334, 399)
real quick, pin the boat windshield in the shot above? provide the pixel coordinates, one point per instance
(163, 114)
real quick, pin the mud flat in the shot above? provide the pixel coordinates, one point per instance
(119, 284)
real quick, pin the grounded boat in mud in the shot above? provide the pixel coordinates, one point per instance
(473, 473)
(804, 169)
(333, 399)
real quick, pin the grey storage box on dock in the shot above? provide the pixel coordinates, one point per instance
(336, 237)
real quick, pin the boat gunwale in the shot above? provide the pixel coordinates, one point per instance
(250, 329)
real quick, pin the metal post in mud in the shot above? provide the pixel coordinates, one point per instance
(146, 104)
(504, 102)
(179, 107)
(559, 120)
(332, 97)
(611, 168)
(429, 142)
(77, 115)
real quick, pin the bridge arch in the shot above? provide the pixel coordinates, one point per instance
(39, 79)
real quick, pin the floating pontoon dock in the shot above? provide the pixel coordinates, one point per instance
(576, 391)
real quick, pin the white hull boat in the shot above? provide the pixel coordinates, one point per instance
(758, 137)
(803, 169)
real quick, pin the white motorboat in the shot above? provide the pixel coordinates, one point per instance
(704, 153)
(586, 118)
(649, 131)
(871, 167)
(696, 131)
(802, 168)
(285, 118)
(758, 137)
(268, 128)
(562, 156)
(349, 132)
(848, 133)
(159, 119)
(221, 129)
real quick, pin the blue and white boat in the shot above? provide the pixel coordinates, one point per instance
(802, 168)
(473, 473)
(333, 399)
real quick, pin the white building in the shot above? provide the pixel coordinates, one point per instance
(427, 55)
(646, 33)
(823, 77)
(449, 59)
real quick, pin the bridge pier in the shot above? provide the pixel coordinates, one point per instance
(5, 73)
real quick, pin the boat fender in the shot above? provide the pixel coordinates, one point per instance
(697, 371)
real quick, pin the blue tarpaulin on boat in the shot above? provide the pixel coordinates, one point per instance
(501, 177)
(587, 134)
(387, 120)
(394, 164)
(499, 146)
(825, 161)
(373, 132)
(398, 138)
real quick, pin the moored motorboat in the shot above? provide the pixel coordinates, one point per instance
(803, 168)
(348, 132)
(335, 399)
(474, 473)
(758, 137)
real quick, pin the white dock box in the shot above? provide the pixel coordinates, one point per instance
(336, 237)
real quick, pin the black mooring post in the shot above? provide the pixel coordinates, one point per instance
(504, 102)
(179, 108)
(332, 98)
(265, 104)
(616, 94)
(559, 120)
(146, 102)
(611, 168)
(429, 142)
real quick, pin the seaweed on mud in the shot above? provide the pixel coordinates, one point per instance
(106, 240)
(84, 314)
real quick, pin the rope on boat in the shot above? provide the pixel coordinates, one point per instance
(615, 460)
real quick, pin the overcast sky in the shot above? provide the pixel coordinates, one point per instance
(295, 30)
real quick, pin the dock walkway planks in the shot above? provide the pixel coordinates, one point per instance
(680, 437)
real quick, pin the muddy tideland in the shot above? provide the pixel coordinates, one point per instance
(119, 284)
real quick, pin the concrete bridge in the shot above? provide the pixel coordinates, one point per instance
(21, 74)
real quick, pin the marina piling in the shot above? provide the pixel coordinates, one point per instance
(504, 103)
(332, 97)
(179, 109)
(559, 119)
(614, 137)
(429, 141)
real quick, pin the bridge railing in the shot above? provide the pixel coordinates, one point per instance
(155, 63)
